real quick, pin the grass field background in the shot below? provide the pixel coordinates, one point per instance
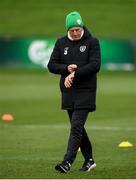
(104, 18)
(32, 144)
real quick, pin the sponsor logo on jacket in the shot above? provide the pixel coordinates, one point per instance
(66, 50)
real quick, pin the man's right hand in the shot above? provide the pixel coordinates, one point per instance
(72, 68)
(69, 80)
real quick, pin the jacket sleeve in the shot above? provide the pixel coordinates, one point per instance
(54, 65)
(94, 61)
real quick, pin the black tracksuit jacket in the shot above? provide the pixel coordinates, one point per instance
(85, 53)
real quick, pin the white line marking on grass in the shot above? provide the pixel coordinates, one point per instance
(64, 126)
(106, 128)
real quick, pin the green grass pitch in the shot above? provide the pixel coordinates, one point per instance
(32, 144)
(44, 18)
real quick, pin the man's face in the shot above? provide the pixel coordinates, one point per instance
(75, 33)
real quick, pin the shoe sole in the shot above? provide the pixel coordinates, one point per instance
(92, 167)
(60, 169)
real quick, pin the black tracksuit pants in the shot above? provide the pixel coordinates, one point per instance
(78, 136)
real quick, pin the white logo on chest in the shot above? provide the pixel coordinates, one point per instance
(82, 48)
(66, 50)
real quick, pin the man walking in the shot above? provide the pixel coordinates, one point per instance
(76, 57)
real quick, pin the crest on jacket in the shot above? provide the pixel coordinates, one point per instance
(82, 48)
(66, 50)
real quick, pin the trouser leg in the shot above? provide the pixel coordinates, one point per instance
(78, 135)
(86, 146)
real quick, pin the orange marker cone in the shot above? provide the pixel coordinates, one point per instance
(7, 117)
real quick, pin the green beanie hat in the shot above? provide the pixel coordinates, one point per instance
(73, 19)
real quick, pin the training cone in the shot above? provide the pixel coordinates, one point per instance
(7, 117)
(125, 144)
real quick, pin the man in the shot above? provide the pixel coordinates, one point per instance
(76, 57)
